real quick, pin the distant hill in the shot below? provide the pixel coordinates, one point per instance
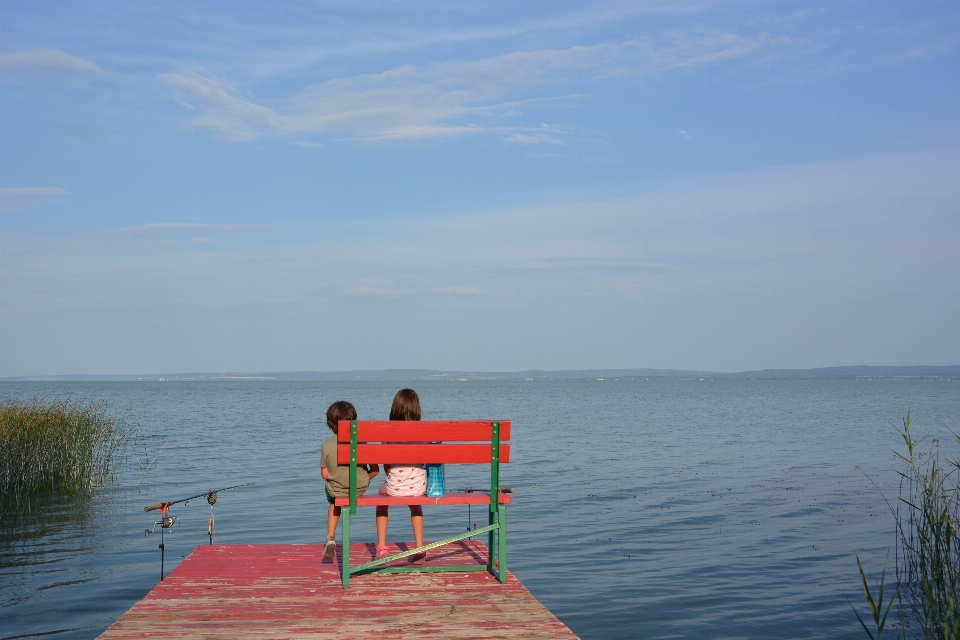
(385, 374)
(860, 371)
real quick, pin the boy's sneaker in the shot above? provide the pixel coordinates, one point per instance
(330, 550)
(418, 558)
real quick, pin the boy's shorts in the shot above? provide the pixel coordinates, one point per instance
(360, 492)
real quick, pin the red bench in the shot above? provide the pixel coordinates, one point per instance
(441, 442)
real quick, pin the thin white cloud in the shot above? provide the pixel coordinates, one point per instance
(18, 198)
(394, 38)
(48, 62)
(535, 138)
(221, 110)
(192, 228)
(552, 156)
(597, 265)
(394, 292)
(350, 40)
(689, 48)
(450, 98)
(458, 291)
(374, 292)
(933, 49)
(923, 183)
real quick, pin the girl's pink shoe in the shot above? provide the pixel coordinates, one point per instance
(382, 552)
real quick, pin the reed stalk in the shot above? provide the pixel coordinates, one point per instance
(877, 611)
(55, 447)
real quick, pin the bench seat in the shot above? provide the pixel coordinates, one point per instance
(450, 498)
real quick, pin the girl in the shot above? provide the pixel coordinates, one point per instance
(407, 480)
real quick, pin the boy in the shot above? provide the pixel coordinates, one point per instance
(338, 475)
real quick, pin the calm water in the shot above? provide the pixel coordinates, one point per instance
(644, 508)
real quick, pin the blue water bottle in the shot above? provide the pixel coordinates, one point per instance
(435, 485)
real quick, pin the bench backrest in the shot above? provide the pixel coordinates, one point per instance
(423, 442)
(440, 442)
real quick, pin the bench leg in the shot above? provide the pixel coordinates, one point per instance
(502, 549)
(491, 541)
(345, 555)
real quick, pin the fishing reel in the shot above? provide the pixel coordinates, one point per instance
(165, 523)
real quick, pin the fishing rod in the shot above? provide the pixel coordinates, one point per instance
(211, 495)
(167, 522)
(472, 490)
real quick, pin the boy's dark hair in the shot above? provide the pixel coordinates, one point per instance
(340, 410)
(406, 405)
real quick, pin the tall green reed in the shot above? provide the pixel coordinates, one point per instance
(60, 447)
(927, 515)
(928, 527)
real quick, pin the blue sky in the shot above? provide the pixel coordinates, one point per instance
(477, 186)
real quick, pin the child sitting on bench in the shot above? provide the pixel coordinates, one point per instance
(338, 475)
(403, 480)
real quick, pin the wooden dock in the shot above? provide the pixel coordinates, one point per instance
(289, 591)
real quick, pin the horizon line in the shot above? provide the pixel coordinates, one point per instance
(835, 371)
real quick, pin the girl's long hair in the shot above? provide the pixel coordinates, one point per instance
(406, 405)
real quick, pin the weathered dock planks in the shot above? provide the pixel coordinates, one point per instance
(289, 591)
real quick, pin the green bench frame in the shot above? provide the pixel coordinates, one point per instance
(385, 442)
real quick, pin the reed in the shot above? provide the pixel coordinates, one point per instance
(928, 528)
(55, 447)
(927, 515)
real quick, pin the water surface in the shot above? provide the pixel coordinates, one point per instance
(657, 508)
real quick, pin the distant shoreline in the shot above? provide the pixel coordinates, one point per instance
(950, 372)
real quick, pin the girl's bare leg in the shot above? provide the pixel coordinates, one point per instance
(416, 519)
(382, 514)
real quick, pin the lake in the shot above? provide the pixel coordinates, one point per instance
(645, 508)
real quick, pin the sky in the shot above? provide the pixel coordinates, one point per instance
(482, 186)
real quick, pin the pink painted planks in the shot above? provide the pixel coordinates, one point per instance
(289, 591)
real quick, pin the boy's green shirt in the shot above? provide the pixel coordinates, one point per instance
(338, 479)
